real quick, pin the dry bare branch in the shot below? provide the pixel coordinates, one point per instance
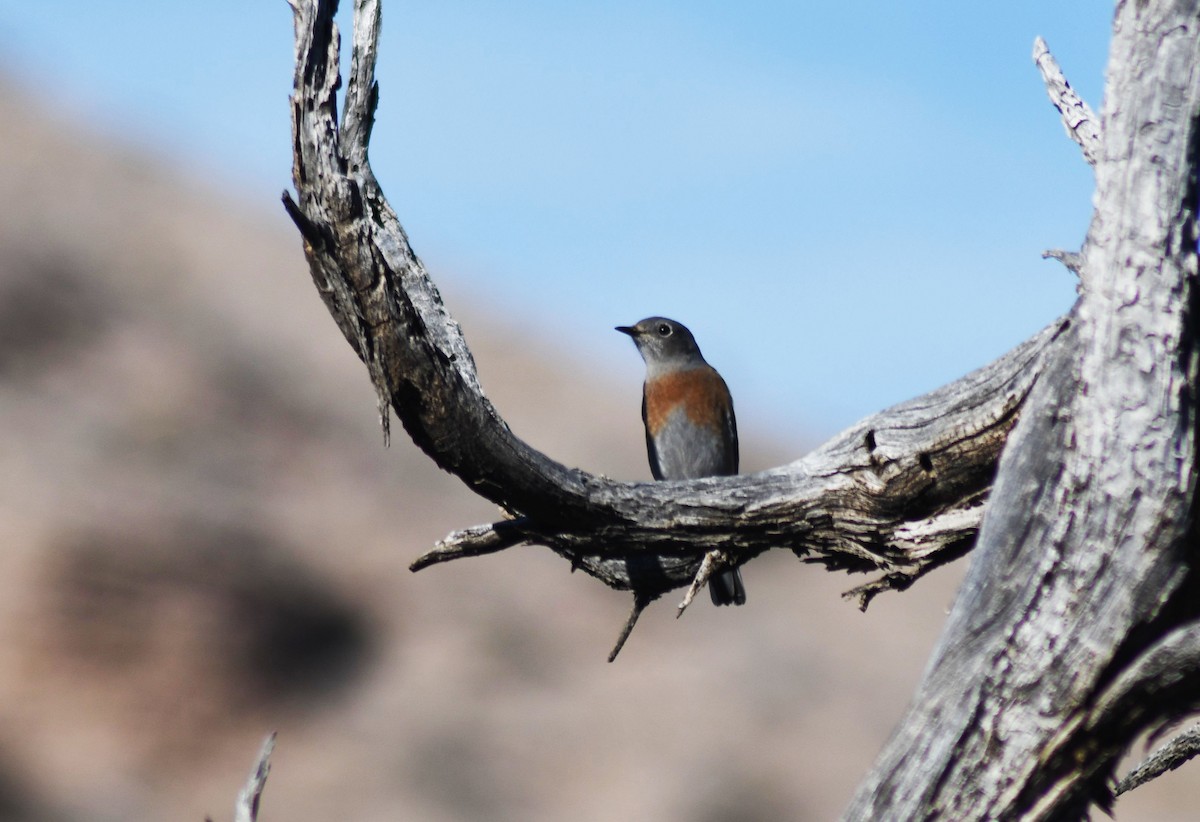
(1078, 119)
(899, 493)
(1082, 583)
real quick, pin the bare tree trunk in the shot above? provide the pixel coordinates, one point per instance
(1073, 630)
(1066, 638)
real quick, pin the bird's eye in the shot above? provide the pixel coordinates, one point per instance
(664, 330)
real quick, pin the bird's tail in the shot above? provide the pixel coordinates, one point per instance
(726, 588)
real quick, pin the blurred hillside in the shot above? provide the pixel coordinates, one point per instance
(205, 539)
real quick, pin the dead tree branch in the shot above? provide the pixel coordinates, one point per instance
(1078, 119)
(1083, 572)
(1084, 565)
(245, 809)
(1183, 748)
(898, 493)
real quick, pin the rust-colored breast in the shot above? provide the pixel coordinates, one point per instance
(700, 391)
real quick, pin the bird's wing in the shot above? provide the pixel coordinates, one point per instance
(729, 429)
(651, 451)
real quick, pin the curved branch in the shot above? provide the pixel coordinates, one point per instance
(900, 492)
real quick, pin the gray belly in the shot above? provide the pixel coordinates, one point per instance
(687, 451)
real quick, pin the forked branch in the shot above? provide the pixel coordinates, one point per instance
(898, 493)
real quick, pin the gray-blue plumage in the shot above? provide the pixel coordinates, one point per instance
(691, 430)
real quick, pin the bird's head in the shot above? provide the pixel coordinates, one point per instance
(662, 341)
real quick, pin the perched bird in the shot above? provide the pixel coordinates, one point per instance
(690, 428)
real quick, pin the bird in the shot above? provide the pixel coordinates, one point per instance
(691, 431)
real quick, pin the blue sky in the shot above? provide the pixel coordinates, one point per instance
(846, 205)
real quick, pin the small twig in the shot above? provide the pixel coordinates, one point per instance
(477, 541)
(246, 809)
(1070, 259)
(639, 604)
(897, 581)
(309, 230)
(713, 562)
(1167, 758)
(1078, 119)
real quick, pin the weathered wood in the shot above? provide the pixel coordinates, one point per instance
(1078, 119)
(1087, 543)
(246, 807)
(899, 493)
(1053, 657)
(1181, 749)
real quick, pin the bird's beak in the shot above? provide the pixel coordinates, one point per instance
(624, 329)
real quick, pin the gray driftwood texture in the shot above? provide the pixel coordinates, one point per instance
(1073, 631)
